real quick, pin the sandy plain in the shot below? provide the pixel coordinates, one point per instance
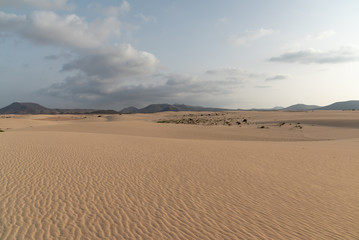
(278, 175)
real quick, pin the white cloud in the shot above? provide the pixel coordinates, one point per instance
(249, 36)
(147, 19)
(227, 71)
(39, 4)
(310, 41)
(46, 27)
(341, 55)
(125, 7)
(114, 62)
(322, 35)
(278, 77)
(10, 21)
(233, 72)
(112, 11)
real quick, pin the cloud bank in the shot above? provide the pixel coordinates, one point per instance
(103, 73)
(141, 89)
(109, 62)
(341, 55)
(277, 77)
(47, 27)
(214, 87)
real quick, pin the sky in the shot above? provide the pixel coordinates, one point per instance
(232, 53)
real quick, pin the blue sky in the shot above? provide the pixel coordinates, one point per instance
(235, 54)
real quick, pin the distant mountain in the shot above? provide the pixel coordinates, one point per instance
(183, 107)
(262, 109)
(34, 108)
(153, 108)
(347, 105)
(26, 108)
(129, 110)
(300, 107)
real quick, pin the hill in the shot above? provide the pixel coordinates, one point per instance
(153, 108)
(34, 108)
(261, 109)
(26, 108)
(129, 110)
(183, 107)
(347, 105)
(300, 107)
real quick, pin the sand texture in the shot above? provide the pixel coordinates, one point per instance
(160, 176)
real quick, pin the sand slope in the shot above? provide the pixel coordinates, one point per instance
(77, 179)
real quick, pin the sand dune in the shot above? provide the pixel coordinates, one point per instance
(128, 177)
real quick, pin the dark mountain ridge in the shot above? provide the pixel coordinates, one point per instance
(346, 105)
(300, 107)
(34, 108)
(26, 108)
(153, 108)
(262, 109)
(129, 110)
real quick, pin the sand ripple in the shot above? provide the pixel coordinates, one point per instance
(101, 186)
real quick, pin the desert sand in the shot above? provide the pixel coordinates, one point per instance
(277, 175)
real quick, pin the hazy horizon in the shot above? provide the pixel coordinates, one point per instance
(237, 54)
